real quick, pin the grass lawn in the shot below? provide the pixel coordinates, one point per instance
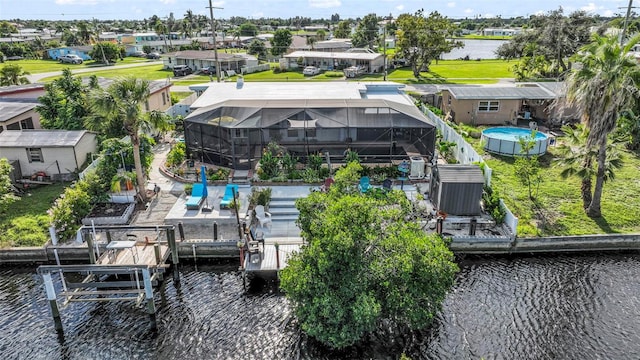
(22, 215)
(151, 72)
(40, 66)
(559, 205)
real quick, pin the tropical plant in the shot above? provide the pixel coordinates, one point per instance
(260, 196)
(526, 166)
(12, 74)
(314, 162)
(126, 177)
(177, 154)
(281, 41)
(69, 209)
(6, 193)
(365, 265)
(64, 105)
(577, 159)
(351, 156)
(601, 88)
(121, 103)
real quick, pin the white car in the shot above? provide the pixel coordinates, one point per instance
(70, 59)
(311, 70)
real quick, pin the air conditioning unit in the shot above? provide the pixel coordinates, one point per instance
(417, 168)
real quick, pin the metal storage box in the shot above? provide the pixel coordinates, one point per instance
(457, 189)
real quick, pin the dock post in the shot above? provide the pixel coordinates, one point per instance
(156, 252)
(108, 237)
(277, 246)
(181, 230)
(174, 253)
(89, 240)
(53, 303)
(215, 230)
(148, 293)
(473, 224)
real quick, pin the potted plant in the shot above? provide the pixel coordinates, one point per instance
(126, 178)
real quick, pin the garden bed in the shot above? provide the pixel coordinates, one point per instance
(109, 214)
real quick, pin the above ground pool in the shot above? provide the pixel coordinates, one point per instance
(504, 141)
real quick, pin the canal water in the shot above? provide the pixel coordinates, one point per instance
(475, 49)
(559, 307)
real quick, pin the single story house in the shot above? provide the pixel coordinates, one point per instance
(56, 153)
(26, 91)
(198, 59)
(81, 51)
(18, 114)
(499, 105)
(372, 61)
(231, 123)
(159, 93)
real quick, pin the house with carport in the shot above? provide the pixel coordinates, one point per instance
(198, 59)
(370, 60)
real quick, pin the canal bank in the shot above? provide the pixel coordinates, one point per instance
(460, 245)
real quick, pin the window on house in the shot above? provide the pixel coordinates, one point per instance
(238, 133)
(292, 133)
(311, 133)
(14, 126)
(26, 123)
(449, 100)
(34, 155)
(488, 106)
(164, 99)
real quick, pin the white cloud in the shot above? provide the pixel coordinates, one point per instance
(324, 3)
(451, 4)
(257, 15)
(469, 11)
(168, 1)
(400, 7)
(608, 13)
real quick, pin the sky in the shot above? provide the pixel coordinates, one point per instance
(140, 9)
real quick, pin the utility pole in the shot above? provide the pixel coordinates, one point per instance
(626, 22)
(215, 42)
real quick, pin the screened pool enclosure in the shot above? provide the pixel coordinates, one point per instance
(233, 133)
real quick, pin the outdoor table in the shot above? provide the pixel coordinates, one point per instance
(114, 246)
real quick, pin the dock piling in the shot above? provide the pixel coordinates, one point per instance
(89, 240)
(53, 303)
(148, 292)
(171, 237)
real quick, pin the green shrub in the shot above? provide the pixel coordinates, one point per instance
(69, 209)
(310, 176)
(260, 196)
(188, 188)
(314, 162)
(491, 200)
(177, 154)
(29, 231)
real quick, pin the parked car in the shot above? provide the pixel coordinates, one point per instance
(138, 53)
(208, 70)
(70, 59)
(181, 70)
(153, 55)
(311, 70)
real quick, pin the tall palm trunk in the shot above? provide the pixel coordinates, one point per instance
(594, 210)
(585, 187)
(135, 141)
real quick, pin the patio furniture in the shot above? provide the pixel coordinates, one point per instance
(364, 185)
(264, 218)
(386, 184)
(257, 236)
(227, 198)
(196, 198)
(252, 247)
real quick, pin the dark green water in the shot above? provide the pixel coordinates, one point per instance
(563, 307)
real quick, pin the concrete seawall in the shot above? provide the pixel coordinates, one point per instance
(461, 246)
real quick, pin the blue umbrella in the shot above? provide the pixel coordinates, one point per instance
(203, 173)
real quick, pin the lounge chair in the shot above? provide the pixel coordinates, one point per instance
(264, 218)
(227, 198)
(195, 200)
(364, 185)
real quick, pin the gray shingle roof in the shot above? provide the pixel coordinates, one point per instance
(501, 92)
(11, 109)
(40, 138)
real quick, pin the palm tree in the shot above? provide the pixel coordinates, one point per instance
(12, 74)
(577, 160)
(188, 23)
(601, 89)
(161, 28)
(121, 102)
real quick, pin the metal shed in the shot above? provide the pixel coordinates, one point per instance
(457, 189)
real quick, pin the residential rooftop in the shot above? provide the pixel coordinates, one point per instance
(12, 108)
(502, 92)
(40, 138)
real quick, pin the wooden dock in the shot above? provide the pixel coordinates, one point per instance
(267, 261)
(126, 270)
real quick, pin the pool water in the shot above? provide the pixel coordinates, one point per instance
(505, 140)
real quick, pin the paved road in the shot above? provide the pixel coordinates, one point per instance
(37, 77)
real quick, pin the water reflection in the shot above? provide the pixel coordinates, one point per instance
(527, 308)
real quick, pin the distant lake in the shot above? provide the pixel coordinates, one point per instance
(476, 49)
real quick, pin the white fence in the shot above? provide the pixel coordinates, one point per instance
(253, 69)
(183, 108)
(89, 168)
(466, 154)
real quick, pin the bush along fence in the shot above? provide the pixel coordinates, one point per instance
(466, 154)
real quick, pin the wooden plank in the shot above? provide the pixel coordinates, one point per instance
(104, 299)
(102, 284)
(102, 292)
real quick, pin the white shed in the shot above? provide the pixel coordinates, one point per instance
(56, 153)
